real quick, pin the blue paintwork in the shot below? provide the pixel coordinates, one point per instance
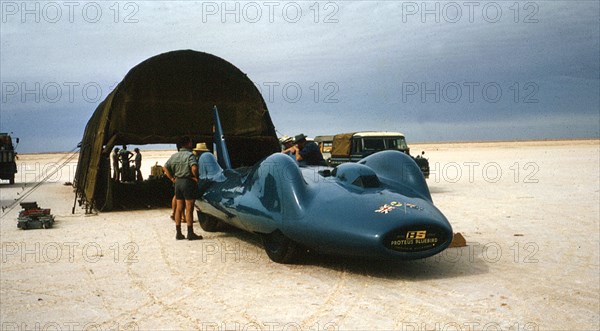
(331, 214)
(219, 140)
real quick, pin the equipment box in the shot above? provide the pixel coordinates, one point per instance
(33, 217)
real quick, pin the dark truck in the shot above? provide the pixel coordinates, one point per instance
(352, 147)
(8, 166)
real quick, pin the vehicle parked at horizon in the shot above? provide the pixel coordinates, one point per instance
(354, 146)
(325, 144)
(8, 155)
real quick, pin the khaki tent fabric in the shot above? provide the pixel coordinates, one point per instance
(341, 145)
(169, 96)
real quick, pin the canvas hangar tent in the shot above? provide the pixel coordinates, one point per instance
(164, 98)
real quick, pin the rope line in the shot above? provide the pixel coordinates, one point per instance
(65, 160)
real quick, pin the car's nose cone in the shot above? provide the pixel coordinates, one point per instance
(417, 237)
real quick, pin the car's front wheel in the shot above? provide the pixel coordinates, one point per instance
(280, 248)
(208, 223)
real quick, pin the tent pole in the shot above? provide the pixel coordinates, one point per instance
(74, 202)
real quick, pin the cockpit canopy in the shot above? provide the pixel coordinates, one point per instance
(357, 174)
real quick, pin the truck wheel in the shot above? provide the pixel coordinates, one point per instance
(280, 248)
(207, 222)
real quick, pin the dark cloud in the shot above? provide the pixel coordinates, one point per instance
(357, 65)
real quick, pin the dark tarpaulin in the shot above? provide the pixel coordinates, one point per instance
(169, 96)
(342, 144)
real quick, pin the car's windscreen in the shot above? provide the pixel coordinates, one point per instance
(373, 144)
(396, 143)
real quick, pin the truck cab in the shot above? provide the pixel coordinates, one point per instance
(8, 166)
(354, 146)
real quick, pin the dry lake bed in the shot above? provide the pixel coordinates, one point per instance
(529, 212)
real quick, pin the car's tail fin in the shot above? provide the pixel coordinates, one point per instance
(219, 140)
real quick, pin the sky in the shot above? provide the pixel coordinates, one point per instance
(433, 70)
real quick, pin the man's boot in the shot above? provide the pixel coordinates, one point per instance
(191, 235)
(179, 235)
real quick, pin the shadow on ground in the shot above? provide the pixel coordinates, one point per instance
(452, 262)
(438, 190)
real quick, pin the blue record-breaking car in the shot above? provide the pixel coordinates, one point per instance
(377, 208)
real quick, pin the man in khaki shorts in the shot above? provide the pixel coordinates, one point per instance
(182, 170)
